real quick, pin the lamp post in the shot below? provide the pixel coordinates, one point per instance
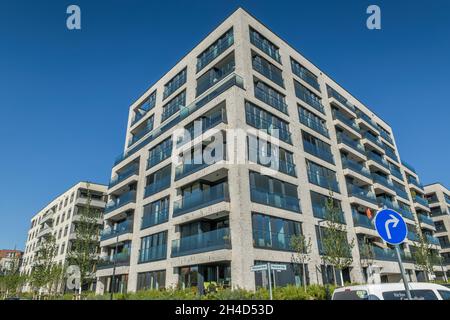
(114, 267)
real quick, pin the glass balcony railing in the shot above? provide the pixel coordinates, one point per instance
(367, 120)
(320, 211)
(190, 167)
(305, 75)
(215, 51)
(378, 159)
(123, 199)
(159, 157)
(343, 101)
(119, 229)
(214, 76)
(220, 87)
(140, 134)
(389, 254)
(321, 153)
(432, 240)
(356, 167)
(396, 172)
(150, 219)
(412, 235)
(383, 181)
(276, 200)
(203, 242)
(363, 194)
(201, 199)
(153, 253)
(119, 259)
(272, 240)
(322, 180)
(361, 220)
(284, 166)
(314, 124)
(407, 165)
(144, 109)
(425, 219)
(391, 154)
(421, 200)
(124, 174)
(349, 122)
(406, 213)
(401, 193)
(386, 137)
(385, 202)
(310, 100)
(271, 73)
(157, 186)
(342, 138)
(275, 101)
(373, 139)
(413, 181)
(268, 126)
(175, 84)
(265, 46)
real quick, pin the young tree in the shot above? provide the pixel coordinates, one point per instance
(43, 272)
(10, 279)
(335, 245)
(366, 255)
(84, 249)
(302, 247)
(422, 254)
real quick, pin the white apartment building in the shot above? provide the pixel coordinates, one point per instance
(438, 197)
(59, 218)
(184, 225)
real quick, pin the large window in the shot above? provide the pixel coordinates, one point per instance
(262, 43)
(312, 121)
(153, 247)
(151, 280)
(305, 74)
(214, 50)
(175, 83)
(322, 176)
(308, 96)
(156, 212)
(173, 106)
(317, 147)
(160, 152)
(270, 96)
(274, 233)
(267, 69)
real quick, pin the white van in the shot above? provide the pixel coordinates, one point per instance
(392, 291)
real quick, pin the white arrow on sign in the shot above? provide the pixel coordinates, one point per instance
(394, 221)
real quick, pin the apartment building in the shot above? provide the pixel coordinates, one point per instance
(10, 260)
(438, 197)
(189, 224)
(59, 218)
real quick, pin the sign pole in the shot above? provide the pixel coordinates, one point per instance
(269, 271)
(402, 270)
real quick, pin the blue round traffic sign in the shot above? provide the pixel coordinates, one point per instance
(390, 226)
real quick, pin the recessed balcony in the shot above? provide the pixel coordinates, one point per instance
(203, 242)
(120, 201)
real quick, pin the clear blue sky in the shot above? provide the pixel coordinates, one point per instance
(64, 95)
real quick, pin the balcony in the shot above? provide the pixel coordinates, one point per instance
(432, 240)
(414, 182)
(325, 181)
(361, 220)
(268, 70)
(367, 120)
(214, 75)
(308, 97)
(389, 254)
(215, 50)
(342, 138)
(120, 259)
(363, 194)
(387, 137)
(276, 101)
(385, 202)
(378, 159)
(320, 211)
(153, 254)
(321, 153)
(124, 174)
(356, 167)
(383, 181)
(155, 218)
(220, 87)
(123, 199)
(425, 219)
(314, 124)
(396, 172)
(144, 108)
(283, 166)
(272, 240)
(201, 199)
(157, 186)
(413, 236)
(268, 126)
(391, 154)
(373, 139)
(305, 75)
(401, 192)
(265, 46)
(44, 232)
(337, 115)
(175, 83)
(190, 167)
(141, 133)
(339, 98)
(203, 242)
(421, 200)
(159, 157)
(276, 200)
(407, 165)
(406, 213)
(119, 229)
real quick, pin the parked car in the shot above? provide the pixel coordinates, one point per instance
(393, 291)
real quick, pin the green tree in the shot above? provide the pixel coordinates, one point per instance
(11, 280)
(422, 254)
(83, 253)
(366, 254)
(302, 247)
(336, 248)
(44, 270)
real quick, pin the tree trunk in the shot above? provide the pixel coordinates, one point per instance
(304, 275)
(334, 275)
